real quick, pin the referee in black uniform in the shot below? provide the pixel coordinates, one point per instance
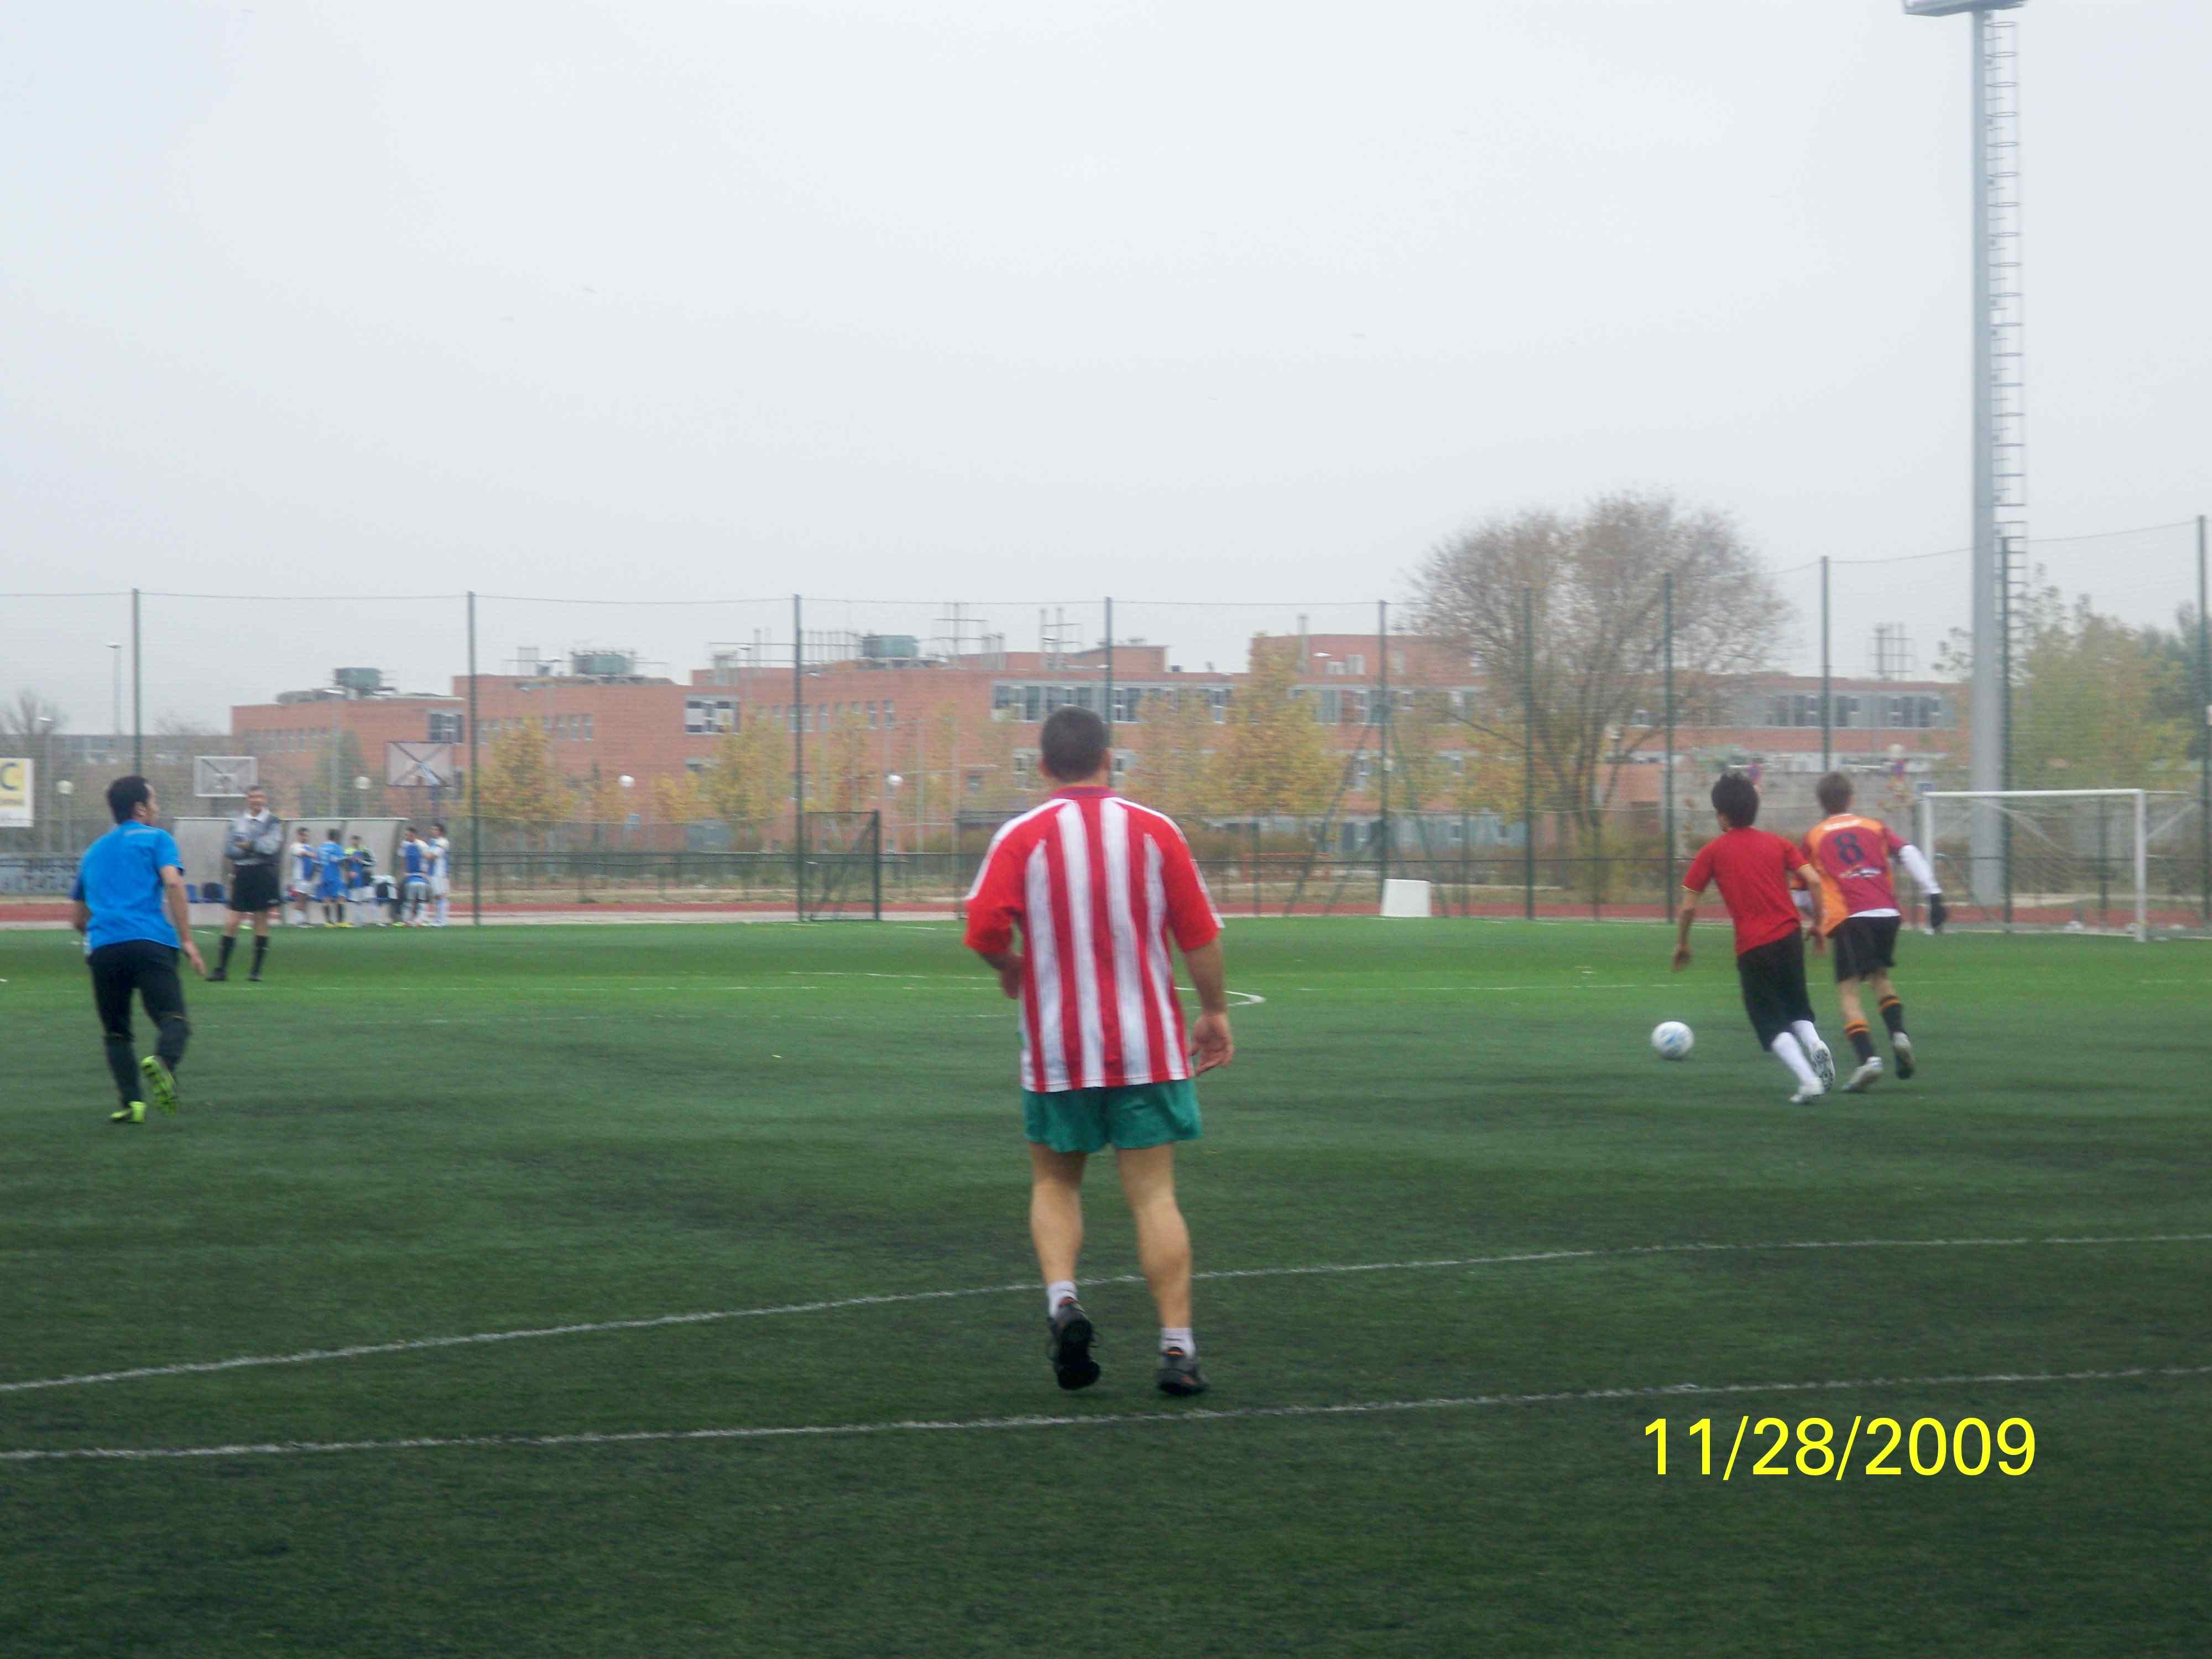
(253, 846)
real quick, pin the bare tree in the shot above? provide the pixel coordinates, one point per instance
(1593, 582)
(31, 715)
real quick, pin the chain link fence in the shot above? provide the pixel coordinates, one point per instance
(633, 753)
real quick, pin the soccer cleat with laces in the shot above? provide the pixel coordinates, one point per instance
(1069, 1350)
(1806, 1096)
(134, 1113)
(1901, 1046)
(1868, 1074)
(159, 1083)
(1179, 1374)
(1824, 1066)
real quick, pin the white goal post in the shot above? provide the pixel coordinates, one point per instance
(2067, 855)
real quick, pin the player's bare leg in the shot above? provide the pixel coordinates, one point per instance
(1056, 1228)
(1855, 1030)
(1164, 1252)
(1892, 1017)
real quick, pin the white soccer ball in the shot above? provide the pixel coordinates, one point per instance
(1673, 1040)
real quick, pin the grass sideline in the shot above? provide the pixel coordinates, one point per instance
(406, 1135)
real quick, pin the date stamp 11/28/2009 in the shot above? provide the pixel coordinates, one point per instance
(1820, 1450)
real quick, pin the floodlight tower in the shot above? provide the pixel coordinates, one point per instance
(2000, 437)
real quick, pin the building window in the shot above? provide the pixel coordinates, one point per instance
(1355, 664)
(444, 727)
(705, 716)
(1218, 699)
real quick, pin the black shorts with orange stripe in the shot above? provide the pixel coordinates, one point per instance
(1863, 946)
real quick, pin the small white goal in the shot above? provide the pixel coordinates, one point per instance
(2072, 860)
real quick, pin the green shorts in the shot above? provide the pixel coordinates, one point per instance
(1090, 1120)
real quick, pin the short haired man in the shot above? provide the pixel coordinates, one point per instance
(361, 878)
(330, 878)
(1098, 886)
(131, 908)
(253, 846)
(441, 875)
(305, 874)
(1859, 918)
(1754, 870)
(414, 876)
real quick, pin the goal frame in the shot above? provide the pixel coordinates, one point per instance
(2140, 798)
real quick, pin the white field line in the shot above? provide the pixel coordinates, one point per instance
(417, 1345)
(984, 1424)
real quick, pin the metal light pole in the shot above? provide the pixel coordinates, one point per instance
(115, 717)
(1999, 474)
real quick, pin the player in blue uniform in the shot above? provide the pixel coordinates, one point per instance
(330, 885)
(415, 870)
(130, 907)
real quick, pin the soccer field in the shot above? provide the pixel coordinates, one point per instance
(667, 1290)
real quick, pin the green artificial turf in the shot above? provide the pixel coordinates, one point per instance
(412, 1135)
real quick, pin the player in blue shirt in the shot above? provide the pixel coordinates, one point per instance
(415, 867)
(130, 907)
(329, 888)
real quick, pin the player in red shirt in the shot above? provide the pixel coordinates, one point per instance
(1098, 886)
(1858, 915)
(1755, 869)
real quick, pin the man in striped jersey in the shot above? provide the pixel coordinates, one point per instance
(1098, 886)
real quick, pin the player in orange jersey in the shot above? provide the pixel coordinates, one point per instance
(1856, 912)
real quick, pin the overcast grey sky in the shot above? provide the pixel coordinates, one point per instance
(998, 301)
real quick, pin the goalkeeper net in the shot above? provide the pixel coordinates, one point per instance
(2075, 860)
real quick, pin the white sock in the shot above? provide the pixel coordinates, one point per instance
(1177, 1336)
(1807, 1035)
(1060, 1290)
(1787, 1051)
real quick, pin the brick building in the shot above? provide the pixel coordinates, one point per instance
(923, 737)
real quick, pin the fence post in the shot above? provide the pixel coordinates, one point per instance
(798, 759)
(138, 694)
(1109, 664)
(1827, 692)
(1383, 756)
(1528, 752)
(2203, 733)
(476, 811)
(1666, 626)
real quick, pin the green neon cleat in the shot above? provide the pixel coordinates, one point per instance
(134, 1113)
(159, 1083)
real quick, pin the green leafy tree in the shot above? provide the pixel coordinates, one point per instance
(749, 780)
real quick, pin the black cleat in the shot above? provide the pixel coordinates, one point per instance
(253, 979)
(1070, 1347)
(1901, 1046)
(218, 976)
(1180, 1375)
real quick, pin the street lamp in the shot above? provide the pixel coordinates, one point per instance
(627, 784)
(46, 762)
(65, 789)
(115, 726)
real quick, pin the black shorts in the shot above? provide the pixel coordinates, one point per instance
(139, 965)
(255, 889)
(1863, 946)
(1774, 994)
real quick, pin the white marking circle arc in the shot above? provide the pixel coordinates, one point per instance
(416, 1345)
(980, 1425)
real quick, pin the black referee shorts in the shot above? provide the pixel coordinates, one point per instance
(1774, 994)
(255, 890)
(1864, 945)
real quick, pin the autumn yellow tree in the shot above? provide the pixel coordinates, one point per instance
(1276, 760)
(841, 767)
(521, 788)
(749, 780)
(679, 800)
(1177, 770)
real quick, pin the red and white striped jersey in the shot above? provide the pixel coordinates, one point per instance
(1097, 885)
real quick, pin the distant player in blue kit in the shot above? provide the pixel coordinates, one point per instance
(330, 879)
(415, 877)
